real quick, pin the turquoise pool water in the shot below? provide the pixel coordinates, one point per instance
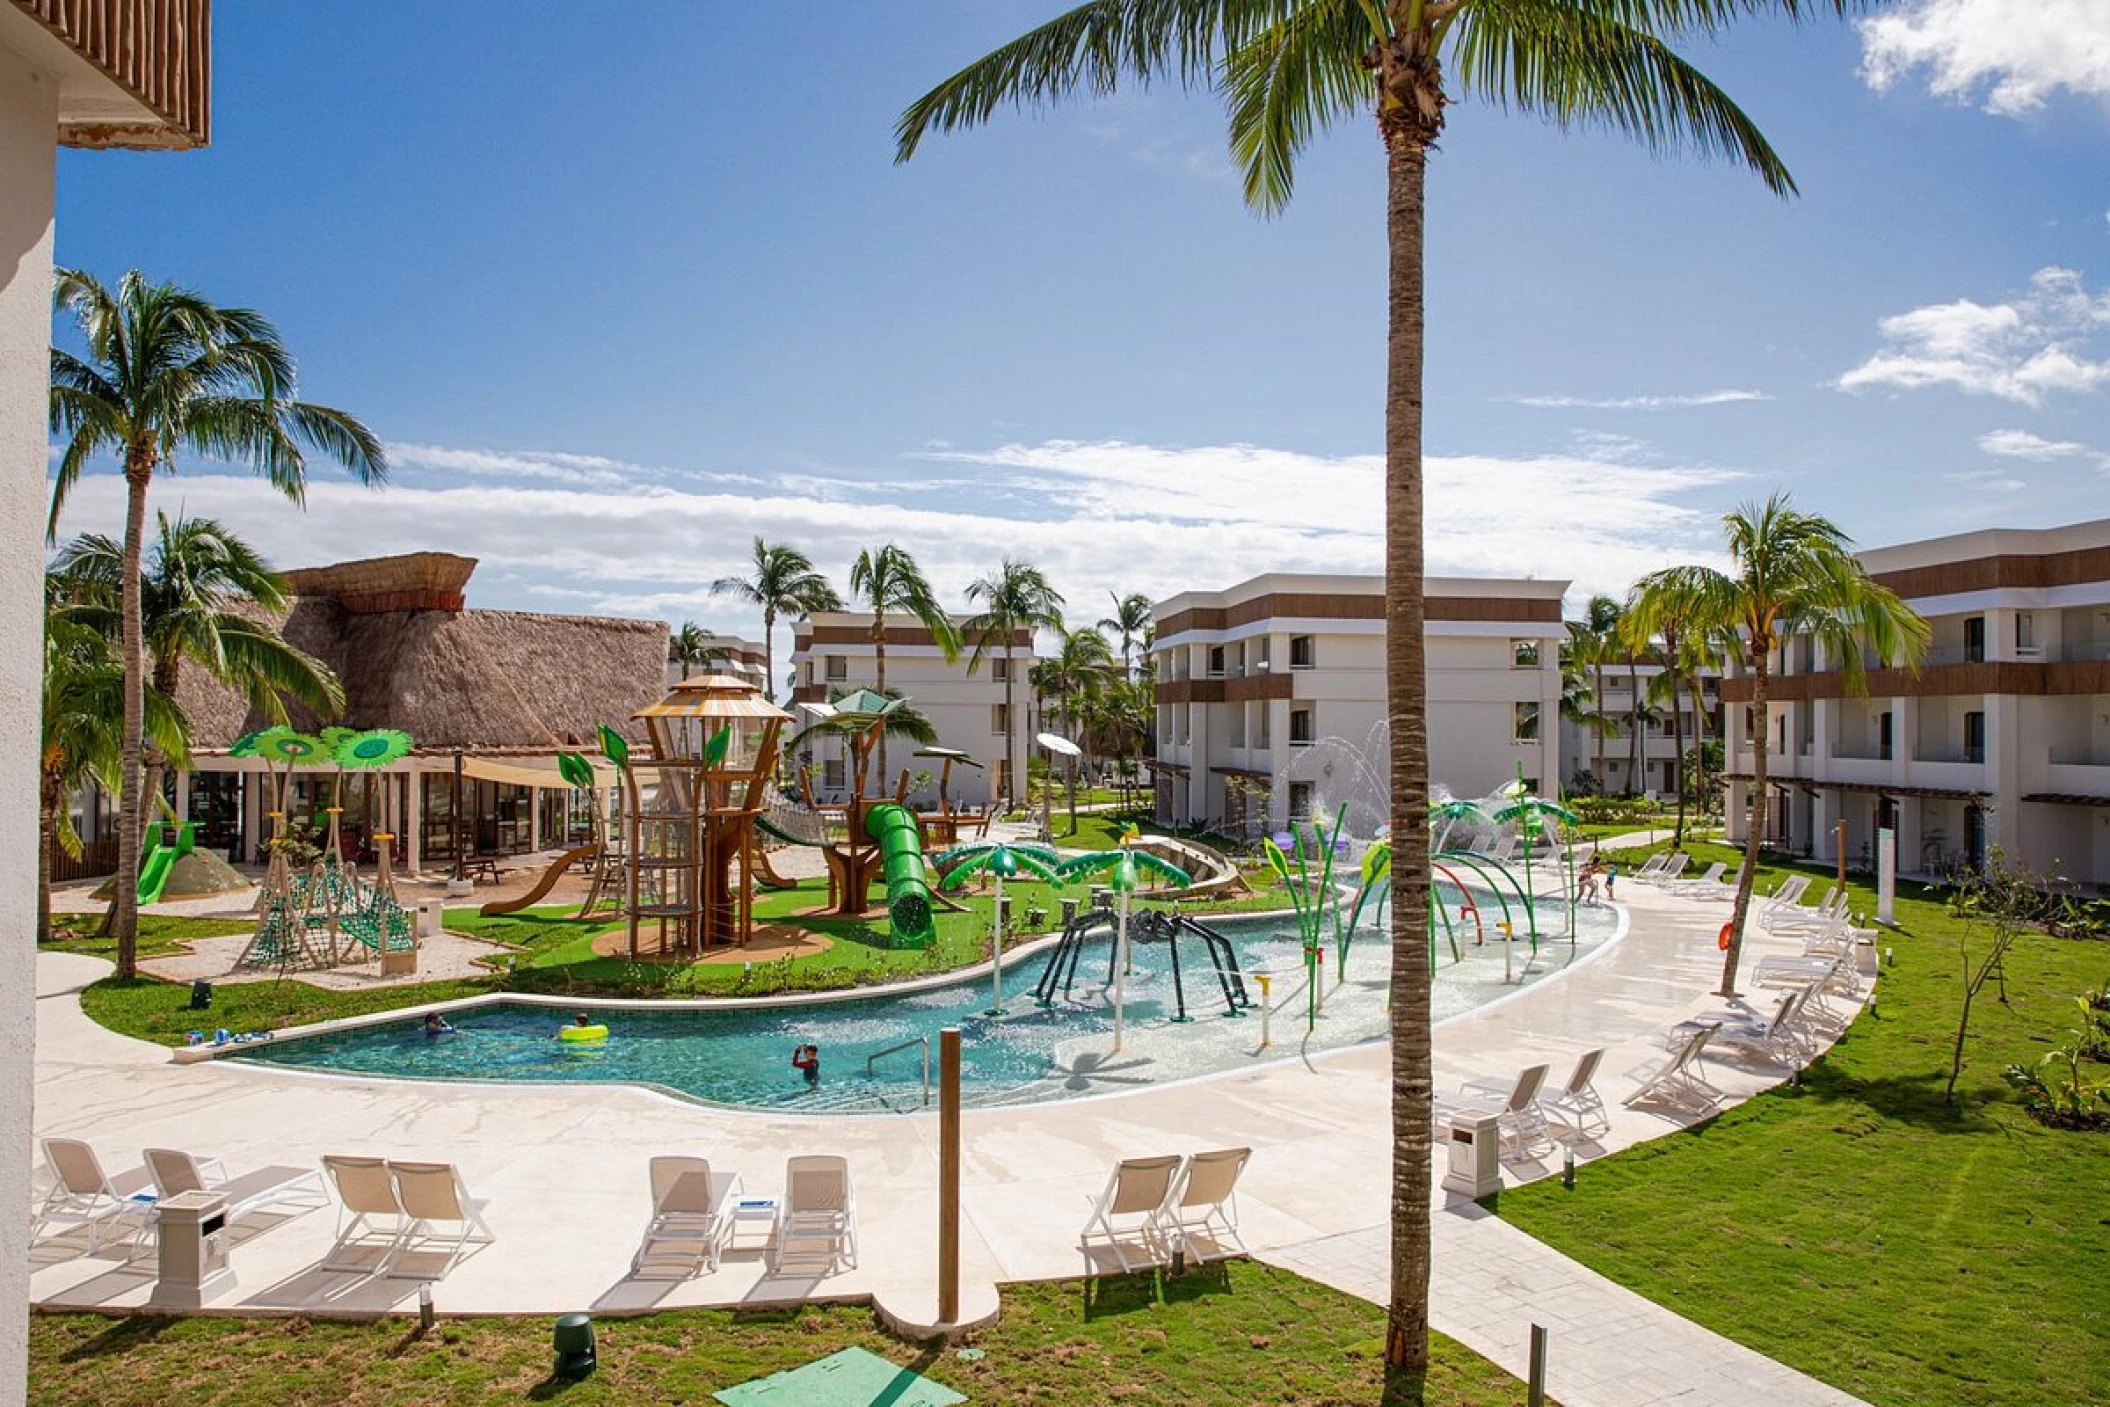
(1027, 1054)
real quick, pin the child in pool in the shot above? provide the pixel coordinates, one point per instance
(807, 1059)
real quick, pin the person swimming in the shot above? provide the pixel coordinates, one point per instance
(807, 1058)
(436, 1025)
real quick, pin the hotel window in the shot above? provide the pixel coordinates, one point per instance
(1523, 654)
(1526, 724)
(1000, 669)
(1974, 736)
(1886, 737)
(1302, 727)
(1260, 655)
(1974, 640)
(2025, 633)
(1303, 653)
(832, 774)
(1216, 661)
(1300, 801)
(838, 667)
(1000, 720)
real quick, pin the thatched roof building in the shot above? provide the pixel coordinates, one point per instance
(412, 656)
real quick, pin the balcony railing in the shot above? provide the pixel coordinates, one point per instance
(158, 51)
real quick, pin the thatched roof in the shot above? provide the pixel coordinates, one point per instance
(456, 680)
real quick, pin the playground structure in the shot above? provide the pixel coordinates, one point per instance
(943, 827)
(1149, 928)
(327, 916)
(689, 839)
(876, 838)
(160, 861)
(603, 897)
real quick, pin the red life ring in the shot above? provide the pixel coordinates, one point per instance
(1722, 942)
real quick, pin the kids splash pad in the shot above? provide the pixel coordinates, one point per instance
(871, 1048)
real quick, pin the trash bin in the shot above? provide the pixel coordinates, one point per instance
(1475, 1165)
(191, 1265)
(201, 996)
(1069, 912)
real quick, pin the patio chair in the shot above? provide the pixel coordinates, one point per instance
(1786, 895)
(1650, 868)
(819, 1206)
(175, 1171)
(84, 1195)
(1677, 1076)
(365, 1192)
(433, 1196)
(1138, 1189)
(691, 1219)
(1774, 1037)
(1673, 866)
(1577, 1099)
(1204, 1203)
(1521, 1120)
(1708, 882)
(1796, 917)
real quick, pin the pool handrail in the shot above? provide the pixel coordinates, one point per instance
(895, 1049)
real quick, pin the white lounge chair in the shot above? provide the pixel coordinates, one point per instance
(1577, 1099)
(1708, 882)
(1786, 895)
(819, 1206)
(82, 1194)
(691, 1219)
(175, 1171)
(366, 1195)
(1650, 868)
(1203, 1208)
(1676, 1077)
(1796, 917)
(434, 1198)
(1775, 1037)
(1138, 1189)
(1514, 1103)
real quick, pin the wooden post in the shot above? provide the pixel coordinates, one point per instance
(949, 1175)
(1839, 843)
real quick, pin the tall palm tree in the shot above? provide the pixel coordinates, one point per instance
(692, 647)
(887, 580)
(1672, 607)
(1634, 648)
(166, 371)
(1129, 623)
(1013, 598)
(1080, 669)
(782, 582)
(82, 712)
(1794, 573)
(1290, 68)
(1596, 642)
(1577, 697)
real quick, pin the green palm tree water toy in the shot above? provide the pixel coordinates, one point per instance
(1001, 862)
(1124, 869)
(1530, 815)
(1312, 902)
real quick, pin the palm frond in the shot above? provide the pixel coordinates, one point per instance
(1290, 82)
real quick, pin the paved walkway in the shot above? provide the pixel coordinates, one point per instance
(563, 1167)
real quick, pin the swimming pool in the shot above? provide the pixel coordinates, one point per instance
(1027, 1054)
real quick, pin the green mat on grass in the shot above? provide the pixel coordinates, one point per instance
(852, 1378)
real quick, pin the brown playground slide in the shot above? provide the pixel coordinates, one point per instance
(543, 885)
(766, 874)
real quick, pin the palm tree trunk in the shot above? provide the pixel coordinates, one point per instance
(1677, 748)
(1604, 783)
(769, 653)
(1634, 752)
(1757, 828)
(125, 910)
(1407, 135)
(879, 670)
(1012, 763)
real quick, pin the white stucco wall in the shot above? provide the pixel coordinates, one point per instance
(28, 130)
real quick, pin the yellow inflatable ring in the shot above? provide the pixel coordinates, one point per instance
(583, 1033)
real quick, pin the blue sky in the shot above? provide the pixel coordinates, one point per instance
(622, 288)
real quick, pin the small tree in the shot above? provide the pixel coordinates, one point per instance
(1999, 902)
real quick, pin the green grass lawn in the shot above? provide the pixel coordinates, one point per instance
(1233, 1333)
(1859, 1229)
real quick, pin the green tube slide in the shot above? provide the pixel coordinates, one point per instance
(901, 865)
(154, 869)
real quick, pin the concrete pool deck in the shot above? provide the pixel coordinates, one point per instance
(564, 1171)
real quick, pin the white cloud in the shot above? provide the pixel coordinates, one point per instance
(1704, 398)
(2009, 56)
(1987, 479)
(2021, 350)
(2021, 444)
(1098, 517)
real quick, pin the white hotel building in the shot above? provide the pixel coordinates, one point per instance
(2001, 737)
(1255, 683)
(831, 652)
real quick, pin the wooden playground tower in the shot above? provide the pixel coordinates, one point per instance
(690, 839)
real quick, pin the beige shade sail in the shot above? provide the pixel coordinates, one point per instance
(531, 772)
